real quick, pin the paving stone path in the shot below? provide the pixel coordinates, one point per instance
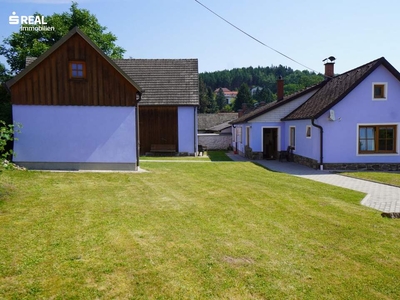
(381, 197)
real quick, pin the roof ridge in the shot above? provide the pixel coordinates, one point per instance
(381, 59)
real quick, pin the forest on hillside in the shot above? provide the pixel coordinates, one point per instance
(243, 79)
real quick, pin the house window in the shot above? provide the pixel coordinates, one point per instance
(77, 70)
(239, 134)
(379, 91)
(377, 139)
(308, 131)
(292, 137)
(248, 136)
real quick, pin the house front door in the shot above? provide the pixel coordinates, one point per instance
(270, 143)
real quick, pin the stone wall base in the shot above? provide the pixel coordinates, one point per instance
(252, 155)
(302, 160)
(312, 163)
(363, 166)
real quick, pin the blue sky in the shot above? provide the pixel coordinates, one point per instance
(355, 32)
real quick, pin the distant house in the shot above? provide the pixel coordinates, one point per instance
(214, 130)
(255, 90)
(79, 109)
(348, 121)
(229, 95)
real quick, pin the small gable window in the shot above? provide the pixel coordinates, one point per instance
(77, 70)
(379, 91)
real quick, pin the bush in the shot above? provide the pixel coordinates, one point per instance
(6, 137)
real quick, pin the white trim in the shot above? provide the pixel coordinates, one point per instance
(247, 141)
(278, 136)
(308, 126)
(385, 85)
(377, 154)
(289, 143)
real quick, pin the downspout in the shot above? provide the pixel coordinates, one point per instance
(321, 144)
(195, 130)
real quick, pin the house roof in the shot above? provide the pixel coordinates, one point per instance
(33, 62)
(208, 121)
(219, 127)
(225, 90)
(273, 105)
(165, 81)
(336, 89)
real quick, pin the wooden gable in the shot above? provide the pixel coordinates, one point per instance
(49, 83)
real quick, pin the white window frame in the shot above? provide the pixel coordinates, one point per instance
(239, 134)
(248, 136)
(294, 137)
(308, 129)
(385, 91)
(278, 136)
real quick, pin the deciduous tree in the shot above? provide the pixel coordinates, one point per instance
(21, 44)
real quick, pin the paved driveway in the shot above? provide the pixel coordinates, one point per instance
(379, 196)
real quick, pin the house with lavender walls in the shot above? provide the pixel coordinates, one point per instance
(349, 121)
(352, 122)
(78, 109)
(261, 133)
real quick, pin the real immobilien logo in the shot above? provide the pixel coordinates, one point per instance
(14, 19)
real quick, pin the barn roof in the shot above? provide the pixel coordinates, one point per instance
(165, 81)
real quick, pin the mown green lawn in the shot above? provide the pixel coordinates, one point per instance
(208, 156)
(191, 231)
(382, 177)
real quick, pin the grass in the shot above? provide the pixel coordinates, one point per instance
(191, 231)
(381, 177)
(208, 156)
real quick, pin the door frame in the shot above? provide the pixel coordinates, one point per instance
(278, 137)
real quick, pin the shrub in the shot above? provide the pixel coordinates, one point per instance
(7, 136)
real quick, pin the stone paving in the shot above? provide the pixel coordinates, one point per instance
(381, 197)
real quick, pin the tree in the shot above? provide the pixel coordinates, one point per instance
(264, 95)
(21, 44)
(203, 96)
(243, 96)
(5, 101)
(220, 99)
(212, 106)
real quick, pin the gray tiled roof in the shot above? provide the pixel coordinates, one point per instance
(206, 121)
(219, 127)
(336, 89)
(164, 81)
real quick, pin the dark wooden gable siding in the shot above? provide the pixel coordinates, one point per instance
(158, 125)
(48, 83)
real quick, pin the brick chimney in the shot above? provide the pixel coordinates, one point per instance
(329, 69)
(279, 88)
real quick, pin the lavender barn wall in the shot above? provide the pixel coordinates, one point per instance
(187, 129)
(75, 134)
